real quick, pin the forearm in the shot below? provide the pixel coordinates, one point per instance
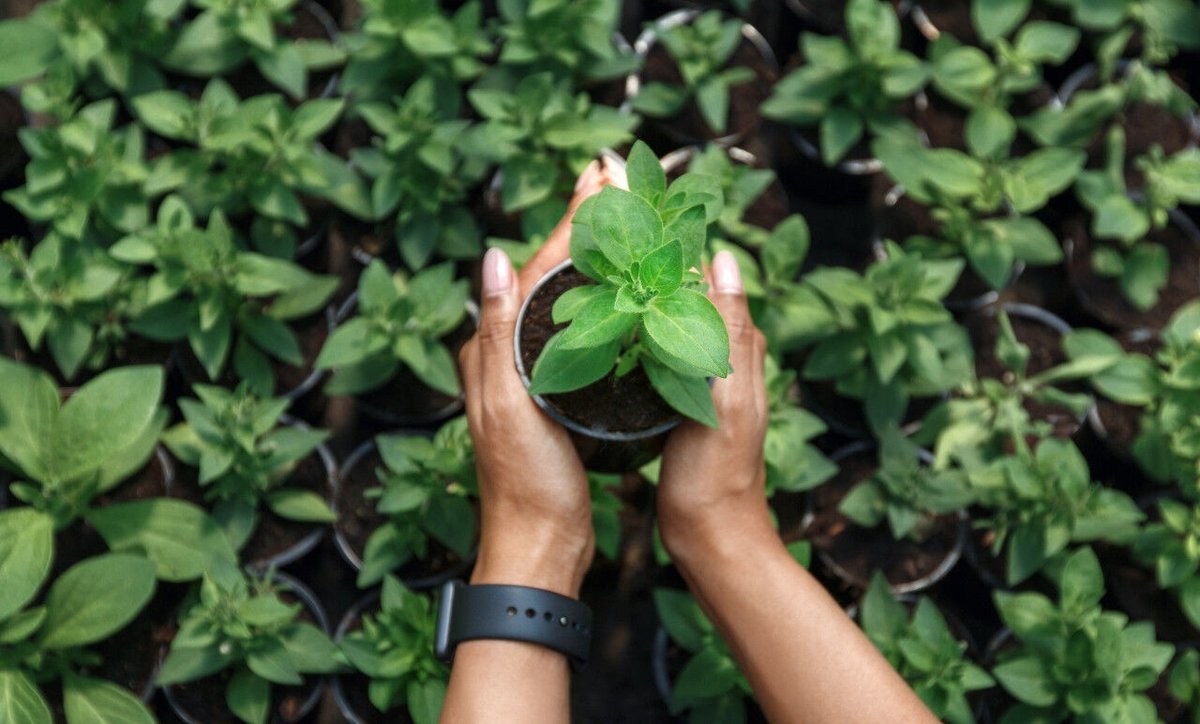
(804, 657)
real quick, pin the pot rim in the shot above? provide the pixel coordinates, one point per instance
(545, 405)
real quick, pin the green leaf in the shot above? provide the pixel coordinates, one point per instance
(681, 617)
(840, 129)
(178, 536)
(316, 117)
(451, 519)
(645, 174)
(271, 661)
(425, 700)
(660, 100)
(248, 697)
(883, 617)
(712, 98)
(689, 396)
(95, 701)
(284, 66)
(528, 179)
(662, 269)
(1146, 269)
(1026, 678)
(688, 326)
(351, 342)
(1045, 42)
(300, 505)
(568, 304)
(83, 605)
(273, 337)
(625, 227)
(690, 230)
(189, 664)
(20, 700)
(28, 415)
(597, 323)
(989, 130)
(1118, 217)
(997, 18)
(439, 370)
(707, 674)
(168, 113)
(26, 549)
(564, 370)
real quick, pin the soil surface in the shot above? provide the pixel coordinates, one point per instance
(860, 551)
(1102, 296)
(624, 404)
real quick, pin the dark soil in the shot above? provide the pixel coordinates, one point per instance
(1134, 590)
(744, 99)
(1102, 296)
(12, 117)
(358, 519)
(133, 350)
(625, 404)
(861, 551)
(1045, 352)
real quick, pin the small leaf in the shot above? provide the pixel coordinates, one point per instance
(563, 370)
(689, 396)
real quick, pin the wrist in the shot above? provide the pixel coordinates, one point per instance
(700, 542)
(548, 558)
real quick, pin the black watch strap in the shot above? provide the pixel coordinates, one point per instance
(514, 613)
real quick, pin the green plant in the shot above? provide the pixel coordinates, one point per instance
(640, 247)
(570, 38)
(542, 134)
(710, 685)
(425, 491)
(400, 320)
(1038, 502)
(228, 33)
(742, 184)
(65, 455)
(909, 494)
(70, 296)
(398, 43)
(1172, 547)
(922, 649)
(988, 413)
(1164, 27)
(892, 338)
(1167, 386)
(1141, 267)
(246, 625)
(84, 174)
(254, 156)
(983, 201)
(420, 177)
(848, 87)
(701, 49)
(45, 645)
(1074, 660)
(245, 457)
(1184, 682)
(394, 648)
(793, 463)
(606, 508)
(218, 297)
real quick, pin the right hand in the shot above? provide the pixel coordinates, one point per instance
(712, 486)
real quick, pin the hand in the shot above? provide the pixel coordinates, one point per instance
(712, 486)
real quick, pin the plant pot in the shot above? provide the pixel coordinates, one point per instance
(766, 212)
(1102, 297)
(689, 125)
(405, 401)
(203, 701)
(853, 553)
(357, 519)
(616, 424)
(1042, 332)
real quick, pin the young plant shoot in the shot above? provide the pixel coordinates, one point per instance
(642, 248)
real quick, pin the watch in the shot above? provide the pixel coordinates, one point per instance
(513, 613)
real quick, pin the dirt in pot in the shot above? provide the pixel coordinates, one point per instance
(130, 657)
(615, 404)
(858, 551)
(1102, 296)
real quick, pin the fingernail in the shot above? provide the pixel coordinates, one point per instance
(497, 273)
(727, 278)
(588, 177)
(615, 171)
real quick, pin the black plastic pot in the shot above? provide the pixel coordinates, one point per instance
(317, 682)
(600, 450)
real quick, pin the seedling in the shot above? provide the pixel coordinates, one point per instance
(1172, 548)
(793, 463)
(571, 38)
(710, 682)
(641, 247)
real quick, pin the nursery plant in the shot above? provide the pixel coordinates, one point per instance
(1167, 386)
(245, 455)
(242, 623)
(571, 38)
(793, 463)
(543, 134)
(710, 686)
(983, 201)
(641, 248)
(1172, 547)
(401, 320)
(227, 34)
(892, 338)
(1073, 659)
(1184, 681)
(394, 648)
(904, 492)
(1123, 219)
(1037, 502)
(84, 174)
(255, 156)
(420, 177)
(741, 184)
(221, 299)
(850, 86)
(921, 647)
(701, 49)
(43, 648)
(70, 297)
(989, 412)
(606, 508)
(426, 487)
(1164, 27)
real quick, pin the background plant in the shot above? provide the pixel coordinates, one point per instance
(793, 463)
(570, 38)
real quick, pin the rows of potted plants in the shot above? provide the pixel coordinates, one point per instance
(243, 255)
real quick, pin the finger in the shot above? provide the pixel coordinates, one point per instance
(499, 307)
(729, 296)
(468, 366)
(558, 244)
(614, 169)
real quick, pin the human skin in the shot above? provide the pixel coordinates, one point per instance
(805, 659)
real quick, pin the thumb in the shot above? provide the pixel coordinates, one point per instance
(499, 306)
